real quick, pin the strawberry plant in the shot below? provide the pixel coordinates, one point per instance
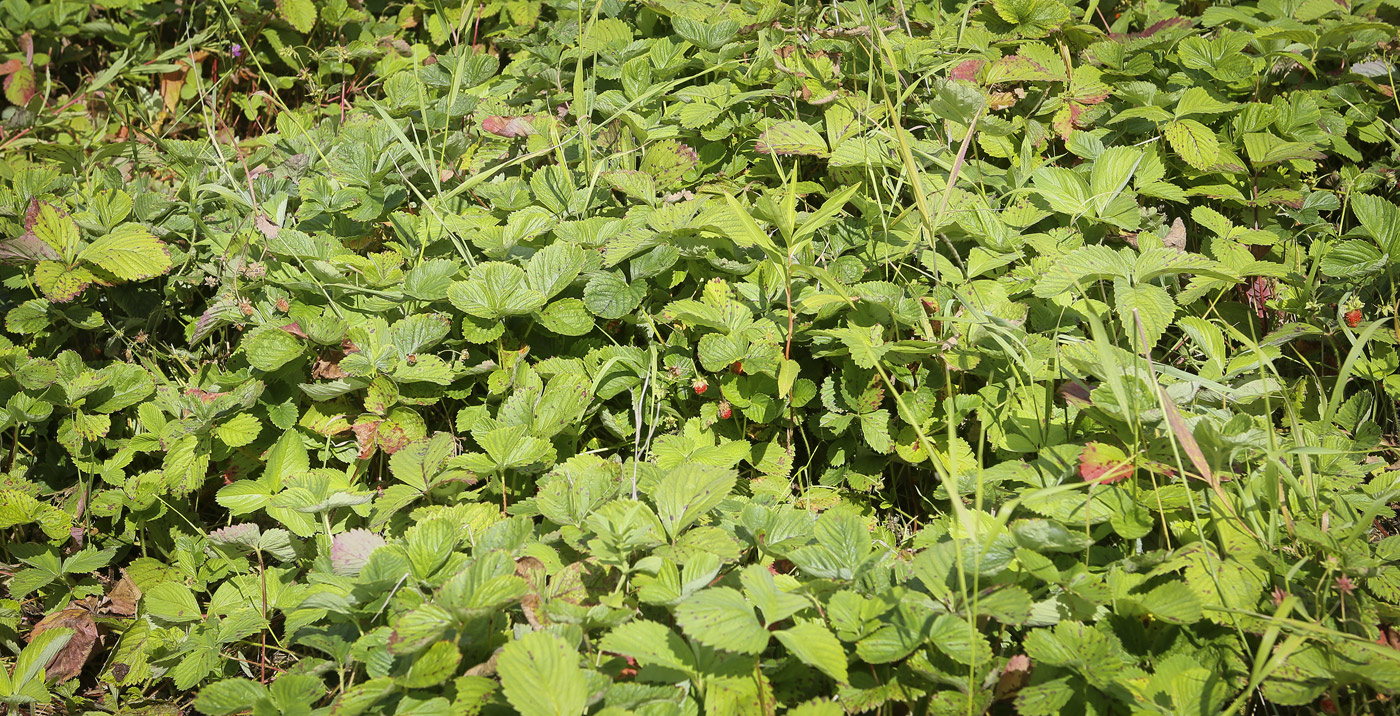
(1014, 357)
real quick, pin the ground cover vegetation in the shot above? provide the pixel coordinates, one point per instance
(675, 356)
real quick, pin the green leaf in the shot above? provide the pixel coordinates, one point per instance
(171, 601)
(540, 676)
(791, 137)
(1350, 259)
(40, 651)
(495, 290)
(186, 464)
(230, 696)
(1174, 603)
(300, 14)
(509, 449)
(719, 617)
(1381, 219)
(554, 267)
(1150, 303)
(128, 252)
(817, 647)
(59, 283)
(1084, 265)
(690, 491)
(774, 603)
(1193, 142)
(268, 348)
(431, 279)
(57, 229)
(1032, 18)
(567, 317)
(651, 644)
(1198, 100)
(239, 430)
(433, 667)
(608, 295)
(29, 317)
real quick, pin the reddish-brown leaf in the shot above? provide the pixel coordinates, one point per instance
(508, 127)
(122, 600)
(1096, 466)
(69, 660)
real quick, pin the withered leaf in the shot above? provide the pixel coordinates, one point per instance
(508, 127)
(121, 601)
(69, 660)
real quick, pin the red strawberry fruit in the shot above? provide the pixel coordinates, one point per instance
(724, 410)
(1354, 317)
(738, 366)
(700, 385)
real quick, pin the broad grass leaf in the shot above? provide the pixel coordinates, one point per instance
(540, 676)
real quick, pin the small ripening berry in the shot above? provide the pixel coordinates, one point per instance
(700, 385)
(1353, 317)
(724, 410)
(738, 367)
